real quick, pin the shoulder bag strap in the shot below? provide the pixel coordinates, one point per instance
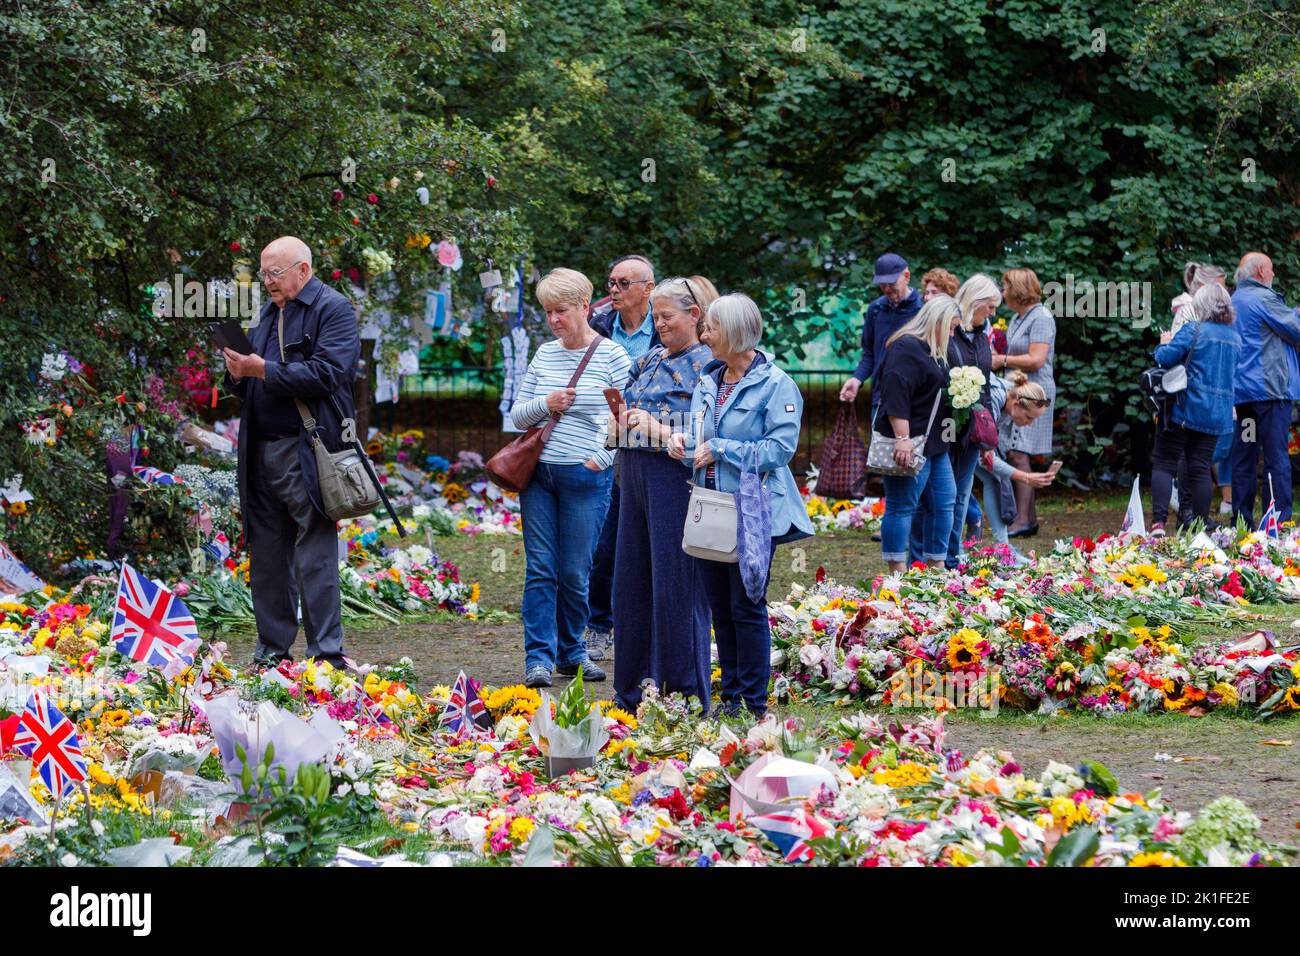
(925, 437)
(308, 421)
(577, 374)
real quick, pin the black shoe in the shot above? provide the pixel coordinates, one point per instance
(272, 662)
(1026, 532)
(590, 670)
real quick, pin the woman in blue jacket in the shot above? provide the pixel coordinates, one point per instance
(1209, 349)
(744, 408)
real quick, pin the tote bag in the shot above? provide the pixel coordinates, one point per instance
(842, 470)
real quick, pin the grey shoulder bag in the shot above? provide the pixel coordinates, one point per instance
(348, 487)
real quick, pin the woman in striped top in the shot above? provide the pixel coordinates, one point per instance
(566, 502)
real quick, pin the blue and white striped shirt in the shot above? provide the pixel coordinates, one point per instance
(580, 432)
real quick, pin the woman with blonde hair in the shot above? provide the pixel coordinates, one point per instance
(1031, 348)
(564, 507)
(913, 407)
(1016, 402)
(977, 300)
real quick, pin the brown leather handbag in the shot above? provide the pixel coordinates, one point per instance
(512, 467)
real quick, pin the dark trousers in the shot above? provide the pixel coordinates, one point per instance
(1262, 428)
(600, 589)
(744, 640)
(1195, 450)
(293, 553)
(661, 614)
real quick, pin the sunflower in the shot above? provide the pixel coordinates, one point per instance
(1291, 699)
(454, 493)
(963, 649)
(18, 508)
(1156, 859)
(115, 718)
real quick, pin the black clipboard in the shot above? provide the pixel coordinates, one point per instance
(230, 335)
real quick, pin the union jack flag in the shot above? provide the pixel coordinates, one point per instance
(790, 831)
(218, 547)
(465, 708)
(371, 709)
(50, 740)
(155, 476)
(152, 624)
(1268, 523)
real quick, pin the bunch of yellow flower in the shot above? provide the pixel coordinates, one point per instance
(817, 507)
(516, 700)
(906, 774)
(607, 709)
(393, 697)
(1159, 858)
(1065, 813)
(1157, 641)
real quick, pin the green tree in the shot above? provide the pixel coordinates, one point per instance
(144, 138)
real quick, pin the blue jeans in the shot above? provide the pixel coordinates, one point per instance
(1271, 425)
(1223, 460)
(563, 510)
(600, 589)
(963, 479)
(963, 467)
(992, 509)
(902, 496)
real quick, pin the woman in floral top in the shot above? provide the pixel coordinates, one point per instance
(661, 613)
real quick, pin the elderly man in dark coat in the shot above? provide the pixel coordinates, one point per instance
(305, 346)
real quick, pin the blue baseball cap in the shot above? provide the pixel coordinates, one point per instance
(888, 268)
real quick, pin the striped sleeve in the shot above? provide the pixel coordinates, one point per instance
(618, 372)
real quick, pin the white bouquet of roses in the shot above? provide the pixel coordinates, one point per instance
(965, 384)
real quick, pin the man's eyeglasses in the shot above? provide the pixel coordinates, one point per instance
(276, 273)
(624, 283)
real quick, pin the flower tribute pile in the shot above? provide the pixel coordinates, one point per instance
(1103, 626)
(667, 789)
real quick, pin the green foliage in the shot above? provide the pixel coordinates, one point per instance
(572, 707)
(303, 812)
(784, 171)
(1076, 848)
(140, 139)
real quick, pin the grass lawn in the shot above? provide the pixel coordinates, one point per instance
(1214, 755)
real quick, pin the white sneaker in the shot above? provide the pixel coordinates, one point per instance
(1225, 507)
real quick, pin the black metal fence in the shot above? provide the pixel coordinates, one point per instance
(458, 408)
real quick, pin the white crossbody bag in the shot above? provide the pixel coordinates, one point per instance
(710, 529)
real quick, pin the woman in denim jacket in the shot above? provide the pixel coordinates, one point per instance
(744, 406)
(1209, 348)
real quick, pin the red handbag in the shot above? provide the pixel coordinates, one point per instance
(512, 467)
(983, 429)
